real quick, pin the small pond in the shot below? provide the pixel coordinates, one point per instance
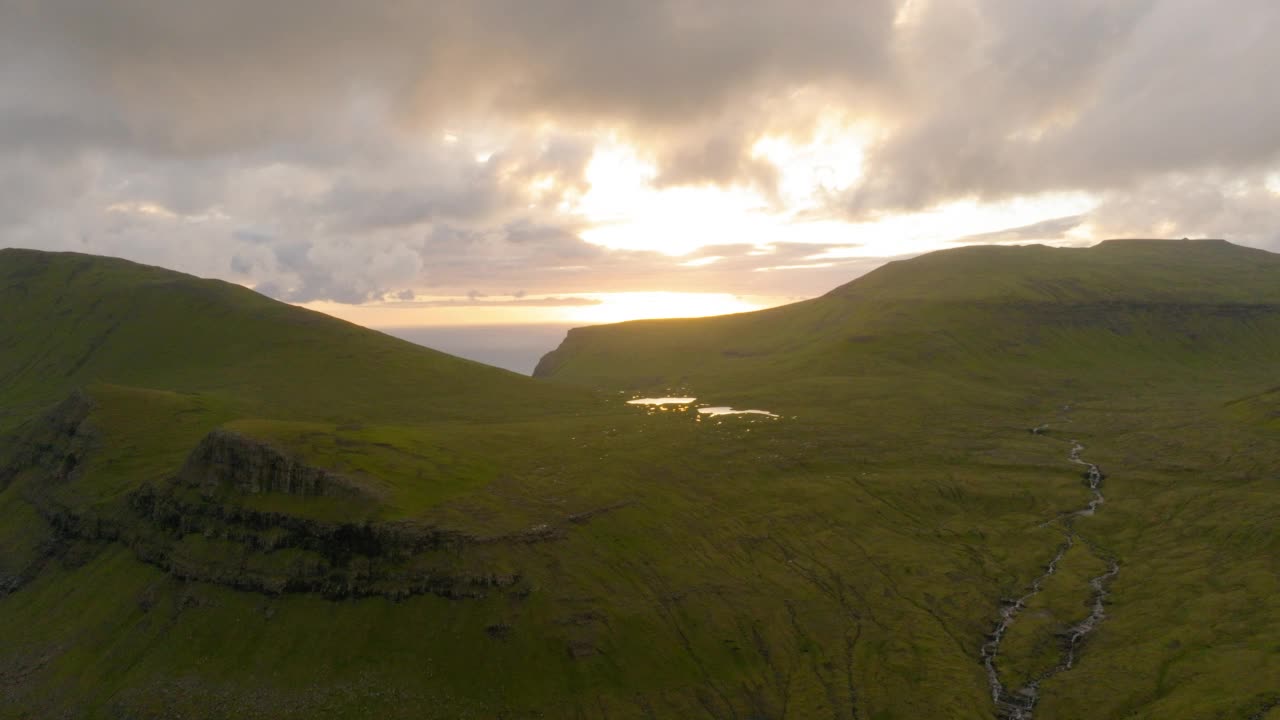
(662, 401)
(730, 411)
(684, 402)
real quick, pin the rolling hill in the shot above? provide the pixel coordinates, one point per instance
(215, 505)
(982, 313)
(73, 319)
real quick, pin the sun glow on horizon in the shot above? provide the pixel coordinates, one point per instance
(621, 307)
(576, 309)
(622, 208)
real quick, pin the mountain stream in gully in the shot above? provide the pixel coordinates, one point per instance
(1019, 703)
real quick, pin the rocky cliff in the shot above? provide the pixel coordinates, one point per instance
(201, 524)
(229, 461)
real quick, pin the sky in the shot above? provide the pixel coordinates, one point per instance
(413, 164)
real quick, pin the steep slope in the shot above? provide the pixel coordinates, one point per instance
(67, 320)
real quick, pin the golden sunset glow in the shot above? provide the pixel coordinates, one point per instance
(592, 309)
(620, 307)
(553, 172)
(624, 210)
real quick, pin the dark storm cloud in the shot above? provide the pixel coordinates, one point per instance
(332, 149)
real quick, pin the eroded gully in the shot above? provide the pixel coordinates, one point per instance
(1019, 703)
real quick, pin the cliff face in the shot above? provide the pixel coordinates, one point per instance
(228, 461)
(49, 455)
(200, 525)
(55, 445)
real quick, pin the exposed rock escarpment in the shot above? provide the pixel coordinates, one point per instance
(228, 460)
(49, 455)
(196, 537)
(201, 523)
(55, 444)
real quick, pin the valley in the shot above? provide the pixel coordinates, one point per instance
(216, 505)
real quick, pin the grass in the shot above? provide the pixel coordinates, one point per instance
(72, 320)
(848, 557)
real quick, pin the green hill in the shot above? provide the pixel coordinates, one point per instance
(71, 319)
(975, 313)
(213, 505)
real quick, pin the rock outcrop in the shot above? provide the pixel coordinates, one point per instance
(54, 445)
(226, 460)
(202, 523)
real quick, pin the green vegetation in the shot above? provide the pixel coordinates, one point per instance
(472, 543)
(71, 320)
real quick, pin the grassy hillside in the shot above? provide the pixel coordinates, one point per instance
(213, 505)
(980, 314)
(69, 320)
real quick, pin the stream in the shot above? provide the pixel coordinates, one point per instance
(1019, 703)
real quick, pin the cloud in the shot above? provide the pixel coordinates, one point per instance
(560, 262)
(324, 149)
(479, 301)
(1052, 229)
(204, 78)
(1008, 98)
(1244, 209)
